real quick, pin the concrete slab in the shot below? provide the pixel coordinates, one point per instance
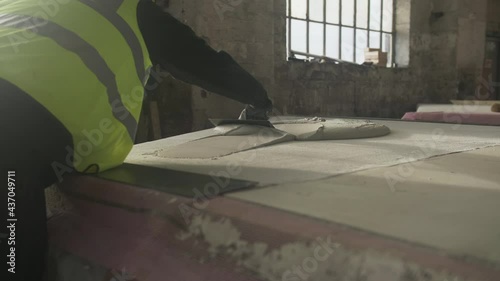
(150, 235)
(304, 161)
(419, 204)
(448, 203)
(393, 185)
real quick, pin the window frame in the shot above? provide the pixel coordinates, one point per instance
(289, 17)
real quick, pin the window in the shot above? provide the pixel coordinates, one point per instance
(340, 29)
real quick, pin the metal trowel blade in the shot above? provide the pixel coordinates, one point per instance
(219, 122)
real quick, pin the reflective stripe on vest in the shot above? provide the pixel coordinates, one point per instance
(127, 33)
(86, 63)
(88, 54)
(114, 4)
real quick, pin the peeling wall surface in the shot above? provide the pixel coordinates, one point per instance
(440, 41)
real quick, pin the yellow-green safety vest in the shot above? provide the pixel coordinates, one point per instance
(86, 63)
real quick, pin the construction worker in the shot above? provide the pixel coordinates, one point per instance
(72, 77)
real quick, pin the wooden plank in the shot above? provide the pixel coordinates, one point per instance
(155, 120)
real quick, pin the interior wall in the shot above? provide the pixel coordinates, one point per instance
(494, 17)
(445, 54)
(493, 45)
(472, 21)
(353, 90)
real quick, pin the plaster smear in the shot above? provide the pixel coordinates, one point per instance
(335, 129)
(299, 260)
(298, 161)
(230, 139)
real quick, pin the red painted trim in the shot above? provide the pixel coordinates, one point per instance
(99, 229)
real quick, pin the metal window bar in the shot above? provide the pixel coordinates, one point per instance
(368, 22)
(381, 24)
(321, 57)
(324, 28)
(393, 32)
(340, 29)
(355, 29)
(289, 27)
(307, 27)
(336, 24)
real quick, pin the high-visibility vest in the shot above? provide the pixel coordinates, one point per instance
(86, 63)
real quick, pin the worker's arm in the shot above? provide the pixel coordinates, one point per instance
(177, 49)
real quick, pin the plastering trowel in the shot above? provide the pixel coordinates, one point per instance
(219, 122)
(249, 116)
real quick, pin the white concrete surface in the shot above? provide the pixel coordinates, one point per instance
(432, 184)
(450, 202)
(304, 161)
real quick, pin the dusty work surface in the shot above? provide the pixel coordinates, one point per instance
(304, 161)
(448, 202)
(419, 204)
(236, 138)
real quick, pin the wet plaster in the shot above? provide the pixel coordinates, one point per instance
(295, 161)
(230, 139)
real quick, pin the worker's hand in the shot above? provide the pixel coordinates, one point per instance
(266, 105)
(252, 113)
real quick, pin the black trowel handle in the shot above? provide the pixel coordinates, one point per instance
(252, 113)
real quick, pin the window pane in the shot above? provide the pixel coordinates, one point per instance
(332, 41)
(299, 35)
(374, 39)
(347, 44)
(332, 11)
(362, 14)
(387, 15)
(361, 45)
(375, 13)
(299, 8)
(348, 12)
(386, 46)
(386, 42)
(316, 10)
(316, 38)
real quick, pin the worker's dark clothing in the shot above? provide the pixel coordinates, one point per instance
(33, 138)
(190, 59)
